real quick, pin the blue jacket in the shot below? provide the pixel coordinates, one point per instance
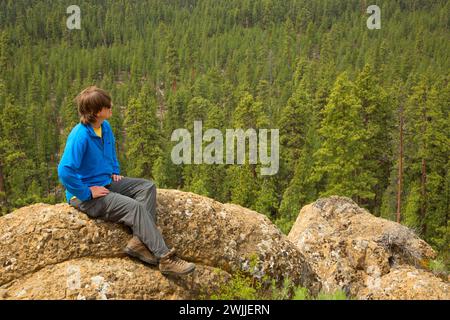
(87, 160)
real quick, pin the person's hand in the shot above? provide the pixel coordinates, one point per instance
(116, 177)
(98, 192)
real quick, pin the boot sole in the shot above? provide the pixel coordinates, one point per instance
(140, 257)
(172, 273)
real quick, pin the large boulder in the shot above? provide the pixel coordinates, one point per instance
(354, 251)
(41, 246)
(110, 278)
(407, 283)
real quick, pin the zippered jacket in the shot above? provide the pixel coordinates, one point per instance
(88, 160)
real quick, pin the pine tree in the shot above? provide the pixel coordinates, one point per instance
(294, 122)
(377, 118)
(167, 174)
(3, 96)
(267, 198)
(68, 115)
(13, 158)
(173, 65)
(438, 177)
(426, 157)
(415, 155)
(142, 135)
(242, 179)
(301, 189)
(249, 113)
(340, 162)
(196, 111)
(215, 174)
(393, 194)
(326, 72)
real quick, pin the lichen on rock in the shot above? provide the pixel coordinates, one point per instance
(58, 252)
(354, 251)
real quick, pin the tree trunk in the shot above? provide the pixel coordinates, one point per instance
(423, 206)
(400, 169)
(2, 187)
(174, 85)
(423, 180)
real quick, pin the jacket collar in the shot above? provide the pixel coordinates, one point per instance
(91, 131)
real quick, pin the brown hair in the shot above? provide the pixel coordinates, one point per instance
(91, 101)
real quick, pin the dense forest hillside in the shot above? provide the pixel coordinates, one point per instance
(358, 110)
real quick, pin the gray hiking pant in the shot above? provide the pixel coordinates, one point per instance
(131, 201)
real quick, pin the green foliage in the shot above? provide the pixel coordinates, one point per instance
(241, 286)
(338, 295)
(266, 199)
(438, 266)
(377, 117)
(142, 136)
(242, 184)
(301, 293)
(412, 207)
(341, 163)
(284, 224)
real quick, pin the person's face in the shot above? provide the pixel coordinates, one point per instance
(105, 113)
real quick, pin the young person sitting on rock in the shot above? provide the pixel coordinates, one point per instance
(90, 172)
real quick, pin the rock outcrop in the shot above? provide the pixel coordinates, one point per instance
(367, 257)
(57, 252)
(110, 278)
(407, 283)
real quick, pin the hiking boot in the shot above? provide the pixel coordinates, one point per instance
(170, 264)
(137, 249)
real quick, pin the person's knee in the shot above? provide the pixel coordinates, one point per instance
(149, 185)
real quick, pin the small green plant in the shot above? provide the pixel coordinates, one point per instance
(301, 293)
(289, 291)
(240, 287)
(337, 295)
(437, 265)
(439, 268)
(244, 286)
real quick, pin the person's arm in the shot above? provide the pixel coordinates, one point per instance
(116, 166)
(70, 163)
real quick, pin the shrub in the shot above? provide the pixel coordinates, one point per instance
(244, 287)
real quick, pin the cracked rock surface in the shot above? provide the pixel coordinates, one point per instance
(57, 252)
(365, 256)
